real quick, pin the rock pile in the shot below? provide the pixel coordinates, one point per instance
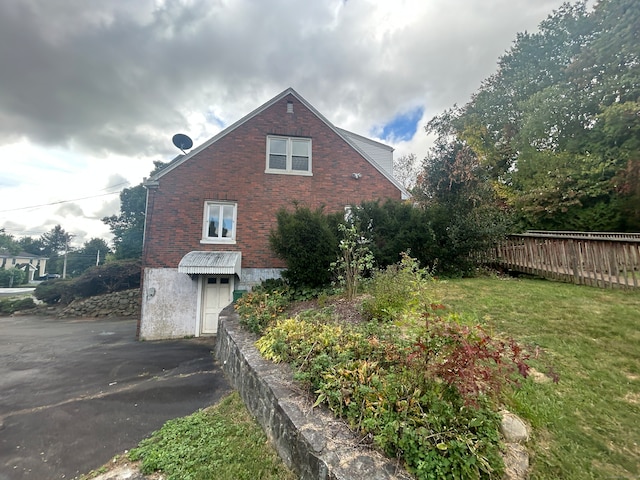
(118, 304)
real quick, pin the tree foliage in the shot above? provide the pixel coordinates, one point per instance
(92, 253)
(442, 236)
(128, 226)
(8, 243)
(555, 131)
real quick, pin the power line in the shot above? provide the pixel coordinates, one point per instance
(66, 201)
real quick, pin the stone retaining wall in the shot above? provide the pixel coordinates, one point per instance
(309, 440)
(119, 304)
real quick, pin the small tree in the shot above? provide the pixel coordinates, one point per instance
(355, 259)
(12, 277)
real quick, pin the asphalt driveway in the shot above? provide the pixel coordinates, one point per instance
(76, 392)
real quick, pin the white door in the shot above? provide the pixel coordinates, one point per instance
(217, 294)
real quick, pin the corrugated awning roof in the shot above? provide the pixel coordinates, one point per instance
(211, 263)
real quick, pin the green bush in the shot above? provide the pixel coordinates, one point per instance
(307, 241)
(108, 278)
(260, 307)
(55, 291)
(12, 277)
(12, 305)
(442, 236)
(392, 290)
(111, 277)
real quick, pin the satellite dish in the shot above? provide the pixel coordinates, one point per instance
(182, 141)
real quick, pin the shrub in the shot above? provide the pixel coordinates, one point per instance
(55, 291)
(393, 289)
(466, 357)
(355, 259)
(108, 278)
(441, 235)
(12, 305)
(260, 307)
(12, 277)
(306, 240)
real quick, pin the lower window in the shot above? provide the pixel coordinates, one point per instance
(219, 222)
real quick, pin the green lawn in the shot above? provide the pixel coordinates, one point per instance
(222, 442)
(588, 424)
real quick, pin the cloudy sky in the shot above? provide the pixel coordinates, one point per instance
(91, 92)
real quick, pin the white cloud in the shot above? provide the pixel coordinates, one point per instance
(92, 93)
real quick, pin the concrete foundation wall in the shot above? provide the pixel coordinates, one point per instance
(169, 304)
(254, 276)
(311, 441)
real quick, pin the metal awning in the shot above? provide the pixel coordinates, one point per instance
(211, 263)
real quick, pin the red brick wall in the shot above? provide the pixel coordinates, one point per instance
(233, 169)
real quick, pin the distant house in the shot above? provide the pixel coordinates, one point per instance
(33, 265)
(210, 212)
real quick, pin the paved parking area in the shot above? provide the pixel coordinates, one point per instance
(76, 392)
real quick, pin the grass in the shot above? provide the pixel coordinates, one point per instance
(587, 425)
(222, 442)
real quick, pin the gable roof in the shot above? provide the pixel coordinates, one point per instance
(4, 253)
(356, 141)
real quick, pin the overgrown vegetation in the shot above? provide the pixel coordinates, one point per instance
(111, 277)
(420, 381)
(221, 442)
(261, 307)
(580, 397)
(9, 306)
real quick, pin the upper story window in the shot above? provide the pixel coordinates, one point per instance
(219, 222)
(289, 155)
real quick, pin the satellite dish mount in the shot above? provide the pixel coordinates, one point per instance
(182, 141)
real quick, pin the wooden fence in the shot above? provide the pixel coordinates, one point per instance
(587, 258)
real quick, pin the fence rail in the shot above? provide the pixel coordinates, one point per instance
(599, 259)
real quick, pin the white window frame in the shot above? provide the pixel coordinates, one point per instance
(208, 205)
(288, 170)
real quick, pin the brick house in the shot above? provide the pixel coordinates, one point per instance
(210, 212)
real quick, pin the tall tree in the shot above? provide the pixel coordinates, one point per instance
(55, 243)
(556, 127)
(406, 169)
(32, 245)
(128, 226)
(8, 243)
(92, 253)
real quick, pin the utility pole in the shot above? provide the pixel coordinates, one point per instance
(98, 258)
(64, 265)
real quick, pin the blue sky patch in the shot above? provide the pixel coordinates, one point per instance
(403, 127)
